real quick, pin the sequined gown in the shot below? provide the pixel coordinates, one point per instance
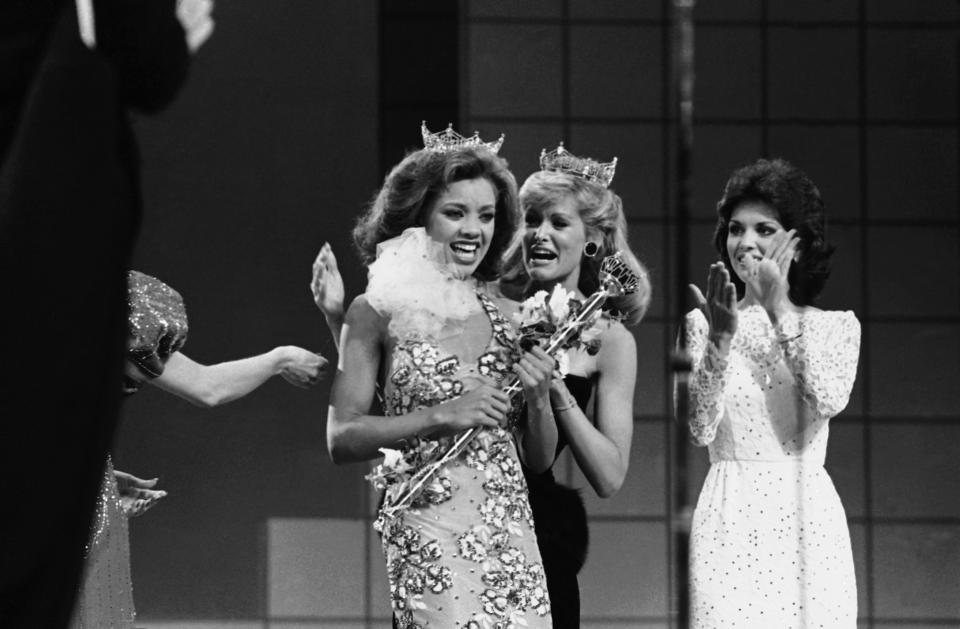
(465, 554)
(770, 545)
(106, 593)
(157, 327)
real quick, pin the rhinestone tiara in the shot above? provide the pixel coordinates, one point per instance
(449, 140)
(560, 160)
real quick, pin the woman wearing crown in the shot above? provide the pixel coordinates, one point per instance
(430, 335)
(572, 221)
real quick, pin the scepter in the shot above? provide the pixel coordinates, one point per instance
(616, 279)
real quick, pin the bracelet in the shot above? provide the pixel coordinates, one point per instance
(789, 339)
(571, 402)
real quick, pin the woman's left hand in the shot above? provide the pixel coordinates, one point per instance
(536, 371)
(768, 278)
(136, 494)
(327, 284)
(301, 367)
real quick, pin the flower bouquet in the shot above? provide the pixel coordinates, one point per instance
(555, 322)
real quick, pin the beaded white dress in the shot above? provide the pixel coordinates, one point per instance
(769, 545)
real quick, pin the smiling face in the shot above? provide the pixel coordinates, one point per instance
(462, 220)
(553, 241)
(752, 226)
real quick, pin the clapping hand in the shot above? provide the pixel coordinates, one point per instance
(327, 284)
(720, 304)
(136, 494)
(767, 277)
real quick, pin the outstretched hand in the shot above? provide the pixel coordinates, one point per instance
(136, 494)
(720, 304)
(301, 367)
(327, 284)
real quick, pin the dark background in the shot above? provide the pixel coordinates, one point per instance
(292, 115)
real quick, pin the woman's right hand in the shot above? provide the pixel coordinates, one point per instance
(301, 367)
(719, 306)
(483, 406)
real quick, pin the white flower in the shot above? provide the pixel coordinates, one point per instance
(563, 362)
(391, 457)
(394, 461)
(532, 310)
(559, 305)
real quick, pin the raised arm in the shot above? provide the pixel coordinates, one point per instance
(355, 435)
(709, 332)
(707, 380)
(328, 291)
(212, 385)
(603, 451)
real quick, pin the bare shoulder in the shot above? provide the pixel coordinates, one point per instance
(617, 344)
(616, 332)
(361, 314)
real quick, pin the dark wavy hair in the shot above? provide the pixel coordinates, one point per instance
(601, 211)
(410, 189)
(789, 191)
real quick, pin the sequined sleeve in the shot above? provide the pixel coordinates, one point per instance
(157, 325)
(822, 350)
(707, 381)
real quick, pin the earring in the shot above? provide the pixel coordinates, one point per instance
(591, 249)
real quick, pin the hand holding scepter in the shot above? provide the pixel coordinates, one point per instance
(616, 279)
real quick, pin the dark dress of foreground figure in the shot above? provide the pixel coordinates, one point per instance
(69, 209)
(560, 521)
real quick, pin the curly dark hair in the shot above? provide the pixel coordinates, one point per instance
(788, 190)
(410, 189)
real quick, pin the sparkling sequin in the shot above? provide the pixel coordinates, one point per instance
(105, 600)
(465, 553)
(769, 543)
(157, 321)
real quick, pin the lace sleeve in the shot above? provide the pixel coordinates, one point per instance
(822, 351)
(707, 381)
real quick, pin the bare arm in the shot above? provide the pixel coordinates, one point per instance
(603, 451)
(212, 385)
(355, 435)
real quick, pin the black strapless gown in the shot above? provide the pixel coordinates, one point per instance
(560, 521)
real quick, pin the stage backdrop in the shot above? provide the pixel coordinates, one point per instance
(274, 148)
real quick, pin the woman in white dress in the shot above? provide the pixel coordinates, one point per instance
(770, 545)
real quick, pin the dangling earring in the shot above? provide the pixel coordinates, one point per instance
(591, 249)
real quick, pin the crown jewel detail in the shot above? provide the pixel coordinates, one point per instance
(449, 140)
(560, 160)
